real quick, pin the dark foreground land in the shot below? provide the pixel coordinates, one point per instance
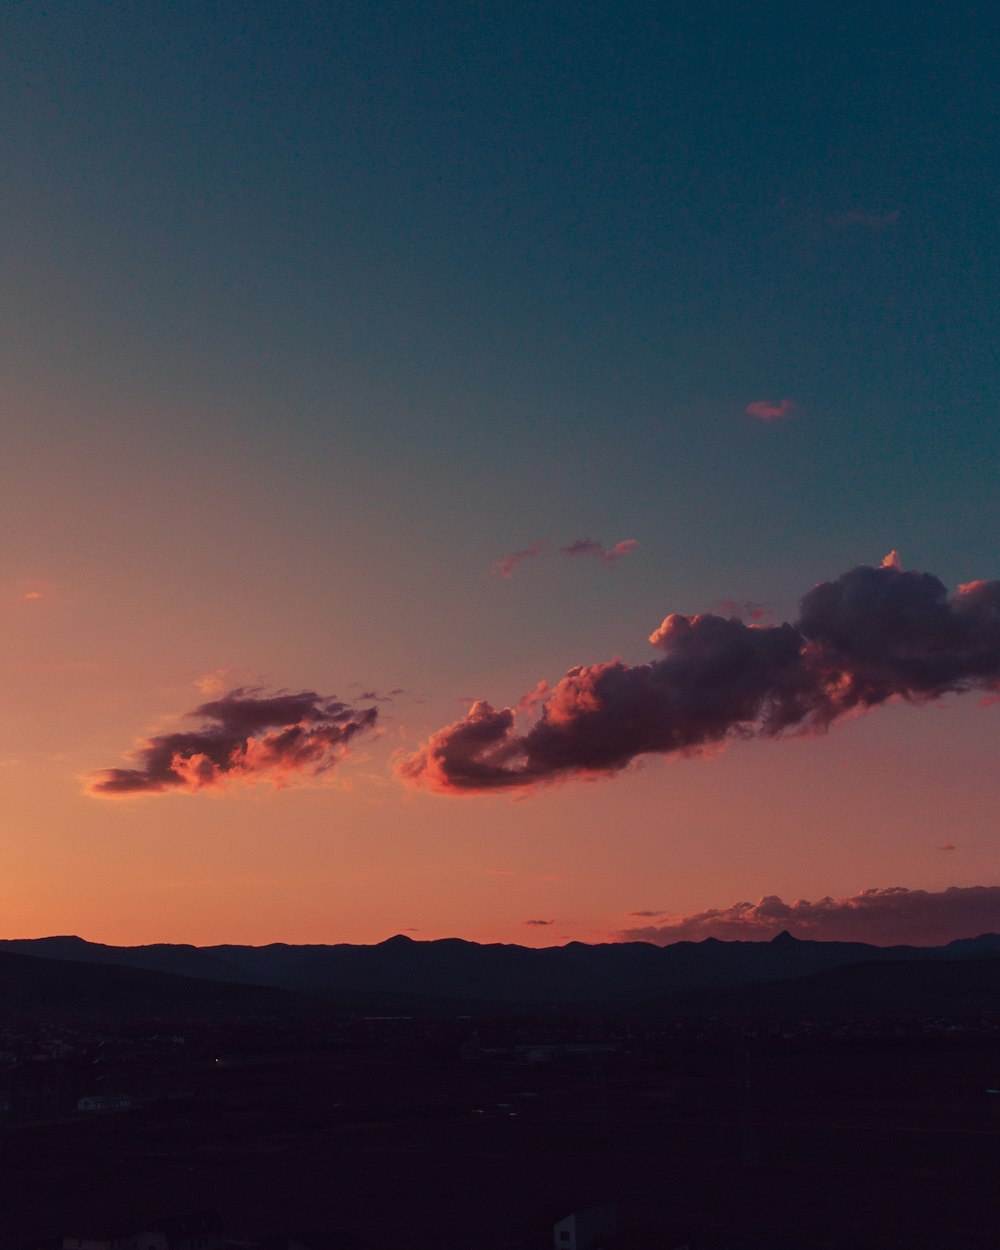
(454, 1133)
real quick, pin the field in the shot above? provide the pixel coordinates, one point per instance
(414, 1135)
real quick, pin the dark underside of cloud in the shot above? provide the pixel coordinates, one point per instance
(244, 736)
(882, 917)
(872, 635)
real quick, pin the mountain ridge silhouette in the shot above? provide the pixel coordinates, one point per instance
(455, 971)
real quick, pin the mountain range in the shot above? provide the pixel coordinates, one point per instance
(454, 975)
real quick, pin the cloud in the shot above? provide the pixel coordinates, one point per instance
(540, 923)
(212, 684)
(505, 566)
(28, 590)
(947, 846)
(815, 224)
(592, 548)
(589, 547)
(244, 736)
(872, 635)
(745, 609)
(875, 222)
(768, 410)
(887, 917)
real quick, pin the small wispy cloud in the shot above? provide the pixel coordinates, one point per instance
(876, 223)
(813, 224)
(743, 610)
(591, 548)
(588, 548)
(27, 590)
(213, 684)
(769, 410)
(541, 924)
(506, 565)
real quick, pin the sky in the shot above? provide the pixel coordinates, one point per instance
(368, 368)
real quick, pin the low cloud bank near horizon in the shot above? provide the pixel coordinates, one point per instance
(889, 917)
(246, 735)
(872, 635)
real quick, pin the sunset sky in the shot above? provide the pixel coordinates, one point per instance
(364, 361)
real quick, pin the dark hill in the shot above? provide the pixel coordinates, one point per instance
(33, 989)
(400, 971)
(905, 991)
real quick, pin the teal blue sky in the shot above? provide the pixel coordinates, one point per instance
(560, 246)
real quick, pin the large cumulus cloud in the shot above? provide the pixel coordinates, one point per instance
(244, 735)
(894, 916)
(872, 635)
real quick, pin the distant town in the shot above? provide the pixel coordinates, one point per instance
(768, 1115)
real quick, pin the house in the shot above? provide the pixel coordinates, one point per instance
(104, 1104)
(585, 1230)
(200, 1230)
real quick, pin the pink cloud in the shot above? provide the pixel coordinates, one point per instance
(592, 548)
(29, 590)
(889, 917)
(768, 410)
(244, 736)
(540, 923)
(505, 566)
(872, 635)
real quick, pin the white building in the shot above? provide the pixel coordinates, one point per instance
(104, 1103)
(585, 1230)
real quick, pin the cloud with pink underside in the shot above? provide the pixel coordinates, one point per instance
(883, 917)
(246, 735)
(871, 635)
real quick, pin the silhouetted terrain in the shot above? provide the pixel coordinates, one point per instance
(54, 990)
(409, 1134)
(455, 971)
(845, 1107)
(951, 990)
